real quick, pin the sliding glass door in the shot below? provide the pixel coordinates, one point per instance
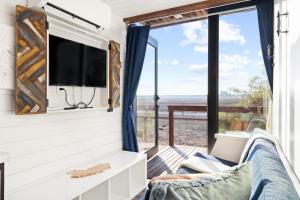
(244, 92)
(239, 96)
(146, 102)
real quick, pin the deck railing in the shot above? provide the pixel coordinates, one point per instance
(171, 117)
(187, 108)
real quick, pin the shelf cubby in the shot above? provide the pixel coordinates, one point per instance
(138, 173)
(98, 192)
(119, 187)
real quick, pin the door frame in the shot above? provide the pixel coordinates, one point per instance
(213, 66)
(213, 81)
(153, 150)
(154, 43)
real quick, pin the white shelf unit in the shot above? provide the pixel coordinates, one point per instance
(125, 179)
(137, 180)
(119, 187)
(123, 186)
(101, 190)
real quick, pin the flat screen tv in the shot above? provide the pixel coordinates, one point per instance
(76, 64)
(94, 67)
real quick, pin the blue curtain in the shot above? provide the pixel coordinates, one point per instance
(265, 13)
(136, 44)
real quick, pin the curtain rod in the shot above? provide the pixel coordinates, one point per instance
(73, 15)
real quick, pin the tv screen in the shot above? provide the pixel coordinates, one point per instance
(65, 60)
(94, 67)
(76, 64)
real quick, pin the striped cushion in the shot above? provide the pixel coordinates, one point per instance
(270, 180)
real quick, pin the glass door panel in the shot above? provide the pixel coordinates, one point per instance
(146, 102)
(244, 93)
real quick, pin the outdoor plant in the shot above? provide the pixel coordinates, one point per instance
(254, 96)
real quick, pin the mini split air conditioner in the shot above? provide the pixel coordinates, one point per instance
(94, 12)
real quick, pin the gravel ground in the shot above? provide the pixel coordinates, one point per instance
(186, 132)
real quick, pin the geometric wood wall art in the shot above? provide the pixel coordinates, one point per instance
(114, 75)
(31, 61)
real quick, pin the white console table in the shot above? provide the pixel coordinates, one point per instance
(125, 179)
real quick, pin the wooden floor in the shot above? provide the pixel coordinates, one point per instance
(168, 159)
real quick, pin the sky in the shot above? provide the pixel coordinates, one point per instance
(182, 56)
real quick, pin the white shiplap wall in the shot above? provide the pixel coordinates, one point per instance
(41, 145)
(286, 98)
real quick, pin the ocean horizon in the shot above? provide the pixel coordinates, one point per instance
(186, 99)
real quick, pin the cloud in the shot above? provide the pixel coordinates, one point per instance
(238, 79)
(189, 80)
(201, 49)
(260, 63)
(168, 62)
(232, 71)
(246, 51)
(235, 59)
(196, 33)
(174, 62)
(230, 64)
(231, 33)
(197, 67)
(228, 67)
(186, 86)
(259, 53)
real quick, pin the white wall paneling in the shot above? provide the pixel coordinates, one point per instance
(7, 56)
(42, 145)
(9, 6)
(287, 82)
(293, 86)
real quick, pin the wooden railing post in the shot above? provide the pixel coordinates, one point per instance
(145, 128)
(171, 126)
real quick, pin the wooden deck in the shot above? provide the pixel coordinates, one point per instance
(168, 159)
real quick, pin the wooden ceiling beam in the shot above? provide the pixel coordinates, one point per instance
(155, 23)
(203, 5)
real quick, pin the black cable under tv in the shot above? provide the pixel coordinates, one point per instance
(76, 106)
(70, 108)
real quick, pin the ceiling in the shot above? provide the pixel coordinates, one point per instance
(128, 8)
(176, 19)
